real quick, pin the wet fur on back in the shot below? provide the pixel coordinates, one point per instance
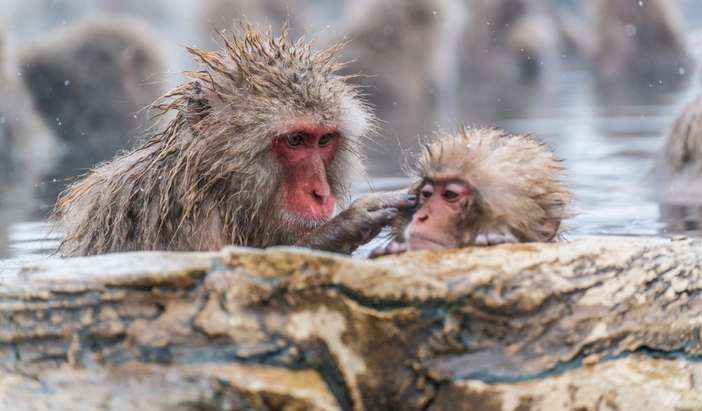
(516, 179)
(209, 178)
(676, 176)
(683, 145)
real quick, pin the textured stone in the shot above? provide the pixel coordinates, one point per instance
(156, 387)
(598, 323)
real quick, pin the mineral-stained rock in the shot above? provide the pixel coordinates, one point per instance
(589, 325)
(636, 382)
(158, 387)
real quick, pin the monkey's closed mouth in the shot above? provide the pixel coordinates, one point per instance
(428, 239)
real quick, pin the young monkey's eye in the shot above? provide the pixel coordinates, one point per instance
(450, 196)
(327, 138)
(295, 139)
(427, 191)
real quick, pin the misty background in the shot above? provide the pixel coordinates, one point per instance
(543, 67)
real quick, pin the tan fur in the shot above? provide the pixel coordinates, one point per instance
(210, 177)
(676, 176)
(683, 145)
(516, 179)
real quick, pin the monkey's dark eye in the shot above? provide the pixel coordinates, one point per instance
(427, 191)
(450, 195)
(295, 139)
(327, 138)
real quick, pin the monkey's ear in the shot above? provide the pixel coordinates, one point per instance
(200, 103)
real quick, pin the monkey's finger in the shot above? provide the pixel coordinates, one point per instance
(481, 240)
(396, 247)
(382, 217)
(393, 199)
(389, 249)
(378, 252)
(374, 221)
(500, 238)
(494, 239)
(375, 201)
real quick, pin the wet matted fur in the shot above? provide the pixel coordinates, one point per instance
(209, 178)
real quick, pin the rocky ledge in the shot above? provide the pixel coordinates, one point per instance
(593, 324)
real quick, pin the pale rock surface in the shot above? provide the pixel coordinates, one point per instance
(593, 324)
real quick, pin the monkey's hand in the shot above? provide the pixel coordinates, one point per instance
(359, 223)
(495, 238)
(394, 247)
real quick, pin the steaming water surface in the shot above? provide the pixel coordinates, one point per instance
(609, 144)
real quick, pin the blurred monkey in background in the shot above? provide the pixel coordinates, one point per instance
(640, 42)
(90, 83)
(396, 49)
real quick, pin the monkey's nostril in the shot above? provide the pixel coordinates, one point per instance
(421, 218)
(318, 196)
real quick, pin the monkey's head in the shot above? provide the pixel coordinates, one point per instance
(484, 181)
(93, 77)
(635, 12)
(510, 11)
(274, 128)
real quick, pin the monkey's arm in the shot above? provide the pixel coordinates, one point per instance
(359, 223)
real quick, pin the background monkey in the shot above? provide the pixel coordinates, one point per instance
(683, 145)
(266, 139)
(395, 47)
(483, 186)
(508, 59)
(512, 40)
(640, 41)
(89, 84)
(679, 167)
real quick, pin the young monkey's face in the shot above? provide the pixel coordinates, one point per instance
(442, 203)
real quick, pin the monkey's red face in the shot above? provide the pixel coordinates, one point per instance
(305, 153)
(441, 204)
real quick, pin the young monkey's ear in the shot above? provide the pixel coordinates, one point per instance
(201, 103)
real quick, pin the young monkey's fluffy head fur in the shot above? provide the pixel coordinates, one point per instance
(209, 178)
(515, 179)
